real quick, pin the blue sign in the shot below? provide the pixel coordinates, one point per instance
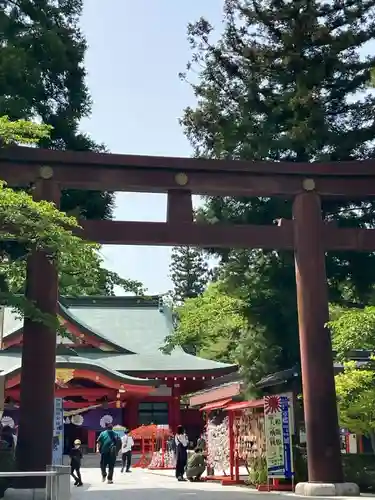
(278, 437)
(287, 438)
(58, 433)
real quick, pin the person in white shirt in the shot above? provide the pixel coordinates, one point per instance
(182, 442)
(126, 451)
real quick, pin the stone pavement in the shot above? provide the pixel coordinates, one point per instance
(138, 485)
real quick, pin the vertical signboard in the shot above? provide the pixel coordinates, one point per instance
(278, 437)
(2, 395)
(58, 433)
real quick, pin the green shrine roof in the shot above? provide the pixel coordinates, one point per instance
(133, 328)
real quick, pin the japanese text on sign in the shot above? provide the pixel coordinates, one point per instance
(278, 437)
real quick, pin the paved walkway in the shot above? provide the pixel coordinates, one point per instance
(137, 486)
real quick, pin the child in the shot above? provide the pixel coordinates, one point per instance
(75, 463)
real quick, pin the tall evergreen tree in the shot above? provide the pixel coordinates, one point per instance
(188, 272)
(42, 76)
(285, 80)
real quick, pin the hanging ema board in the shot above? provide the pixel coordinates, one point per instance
(58, 433)
(278, 429)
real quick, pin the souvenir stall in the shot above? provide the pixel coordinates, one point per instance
(234, 434)
(155, 452)
(247, 436)
(218, 447)
(163, 457)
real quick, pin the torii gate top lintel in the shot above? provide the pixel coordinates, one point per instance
(106, 171)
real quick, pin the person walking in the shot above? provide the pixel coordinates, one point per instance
(181, 441)
(108, 445)
(127, 444)
(75, 463)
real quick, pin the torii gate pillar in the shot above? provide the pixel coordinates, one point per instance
(319, 395)
(34, 447)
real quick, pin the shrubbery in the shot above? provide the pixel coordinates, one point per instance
(358, 468)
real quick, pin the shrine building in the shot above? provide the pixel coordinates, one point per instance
(109, 367)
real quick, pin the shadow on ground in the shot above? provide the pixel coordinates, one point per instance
(92, 460)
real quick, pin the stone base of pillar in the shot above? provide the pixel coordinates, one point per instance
(327, 489)
(25, 494)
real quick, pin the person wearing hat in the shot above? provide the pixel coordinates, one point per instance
(75, 463)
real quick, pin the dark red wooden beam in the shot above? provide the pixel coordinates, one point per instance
(86, 393)
(179, 206)
(359, 240)
(170, 234)
(89, 159)
(159, 175)
(71, 405)
(200, 182)
(220, 235)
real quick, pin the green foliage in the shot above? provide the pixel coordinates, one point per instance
(284, 81)
(335, 311)
(355, 389)
(42, 52)
(22, 131)
(7, 464)
(212, 322)
(265, 282)
(372, 77)
(34, 226)
(353, 329)
(358, 468)
(189, 273)
(258, 473)
(39, 225)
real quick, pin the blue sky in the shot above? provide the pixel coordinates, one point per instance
(136, 50)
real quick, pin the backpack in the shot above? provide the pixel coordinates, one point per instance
(115, 445)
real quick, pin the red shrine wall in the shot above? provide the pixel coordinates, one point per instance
(173, 416)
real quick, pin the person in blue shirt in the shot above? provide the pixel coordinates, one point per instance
(108, 445)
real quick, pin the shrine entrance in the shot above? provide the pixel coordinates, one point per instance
(307, 235)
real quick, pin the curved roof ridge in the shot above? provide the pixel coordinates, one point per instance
(111, 301)
(97, 364)
(69, 316)
(64, 361)
(221, 363)
(65, 312)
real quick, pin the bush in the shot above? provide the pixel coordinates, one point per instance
(257, 468)
(358, 468)
(7, 463)
(300, 464)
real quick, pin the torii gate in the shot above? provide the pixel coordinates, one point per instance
(51, 171)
